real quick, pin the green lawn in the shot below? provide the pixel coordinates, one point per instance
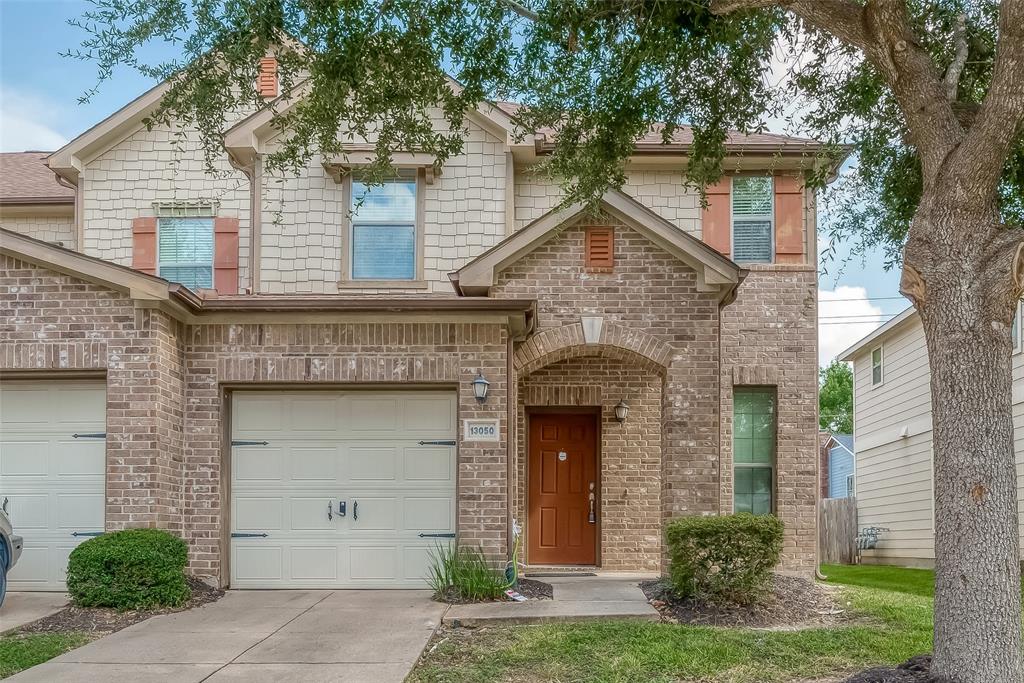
(897, 624)
(19, 651)
(899, 579)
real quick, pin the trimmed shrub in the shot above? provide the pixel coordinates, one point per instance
(723, 559)
(460, 574)
(130, 569)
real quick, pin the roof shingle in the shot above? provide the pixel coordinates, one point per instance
(25, 178)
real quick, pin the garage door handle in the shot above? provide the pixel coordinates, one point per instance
(435, 443)
(242, 442)
(355, 510)
(436, 535)
(237, 535)
(92, 435)
(86, 533)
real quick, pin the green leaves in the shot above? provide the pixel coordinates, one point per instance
(835, 397)
(594, 75)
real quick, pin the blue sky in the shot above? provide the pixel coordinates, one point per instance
(39, 109)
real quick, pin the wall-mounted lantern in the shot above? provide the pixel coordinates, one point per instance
(480, 385)
(621, 411)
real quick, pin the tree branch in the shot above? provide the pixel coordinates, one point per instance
(521, 9)
(952, 78)
(841, 18)
(1000, 119)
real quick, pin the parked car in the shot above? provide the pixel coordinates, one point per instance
(10, 550)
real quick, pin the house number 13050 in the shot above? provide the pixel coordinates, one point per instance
(481, 430)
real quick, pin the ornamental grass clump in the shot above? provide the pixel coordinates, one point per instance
(130, 569)
(461, 574)
(723, 559)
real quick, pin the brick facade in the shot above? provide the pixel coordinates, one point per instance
(658, 325)
(166, 384)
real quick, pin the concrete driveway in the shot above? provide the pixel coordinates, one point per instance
(22, 608)
(256, 636)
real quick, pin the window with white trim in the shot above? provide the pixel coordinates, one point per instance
(185, 250)
(753, 449)
(383, 230)
(753, 219)
(876, 366)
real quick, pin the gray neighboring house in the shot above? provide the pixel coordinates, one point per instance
(892, 423)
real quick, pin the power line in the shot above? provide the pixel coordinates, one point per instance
(858, 315)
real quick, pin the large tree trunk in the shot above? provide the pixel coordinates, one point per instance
(977, 554)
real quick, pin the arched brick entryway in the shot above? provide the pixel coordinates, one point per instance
(613, 341)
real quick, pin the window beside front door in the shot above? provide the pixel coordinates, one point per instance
(753, 220)
(383, 230)
(754, 432)
(185, 251)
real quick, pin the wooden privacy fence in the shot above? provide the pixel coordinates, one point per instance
(837, 530)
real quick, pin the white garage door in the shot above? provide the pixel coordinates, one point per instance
(387, 458)
(52, 455)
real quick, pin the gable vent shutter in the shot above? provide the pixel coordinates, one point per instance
(266, 82)
(600, 249)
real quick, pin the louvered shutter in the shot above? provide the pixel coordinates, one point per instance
(600, 248)
(789, 233)
(144, 244)
(225, 255)
(266, 81)
(715, 219)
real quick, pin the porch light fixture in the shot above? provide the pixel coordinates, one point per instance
(621, 411)
(480, 385)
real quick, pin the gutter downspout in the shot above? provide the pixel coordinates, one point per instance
(76, 208)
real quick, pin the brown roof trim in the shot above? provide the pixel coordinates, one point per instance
(350, 304)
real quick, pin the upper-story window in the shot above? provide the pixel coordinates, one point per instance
(383, 235)
(876, 366)
(185, 251)
(753, 222)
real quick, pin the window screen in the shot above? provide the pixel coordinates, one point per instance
(185, 251)
(753, 450)
(384, 231)
(752, 219)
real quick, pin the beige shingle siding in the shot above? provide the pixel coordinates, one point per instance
(57, 229)
(304, 217)
(150, 166)
(661, 191)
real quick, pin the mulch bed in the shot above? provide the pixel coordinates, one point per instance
(792, 603)
(102, 620)
(536, 590)
(531, 588)
(914, 670)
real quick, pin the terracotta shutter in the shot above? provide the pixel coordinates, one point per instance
(716, 217)
(266, 82)
(225, 255)
(600, 249)
(789, 223)
(144, 244)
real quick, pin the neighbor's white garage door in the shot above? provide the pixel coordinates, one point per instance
(52, 456)
(388, 457)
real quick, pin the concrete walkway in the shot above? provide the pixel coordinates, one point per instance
(574, 598)
(22, 608)
(256, 636)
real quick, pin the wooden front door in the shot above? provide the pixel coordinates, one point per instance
(562, 475)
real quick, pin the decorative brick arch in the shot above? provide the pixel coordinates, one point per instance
(614, 341)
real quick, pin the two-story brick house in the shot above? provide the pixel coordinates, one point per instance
(315, 396)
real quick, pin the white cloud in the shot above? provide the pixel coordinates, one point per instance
(845, 315)
(27, 123)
